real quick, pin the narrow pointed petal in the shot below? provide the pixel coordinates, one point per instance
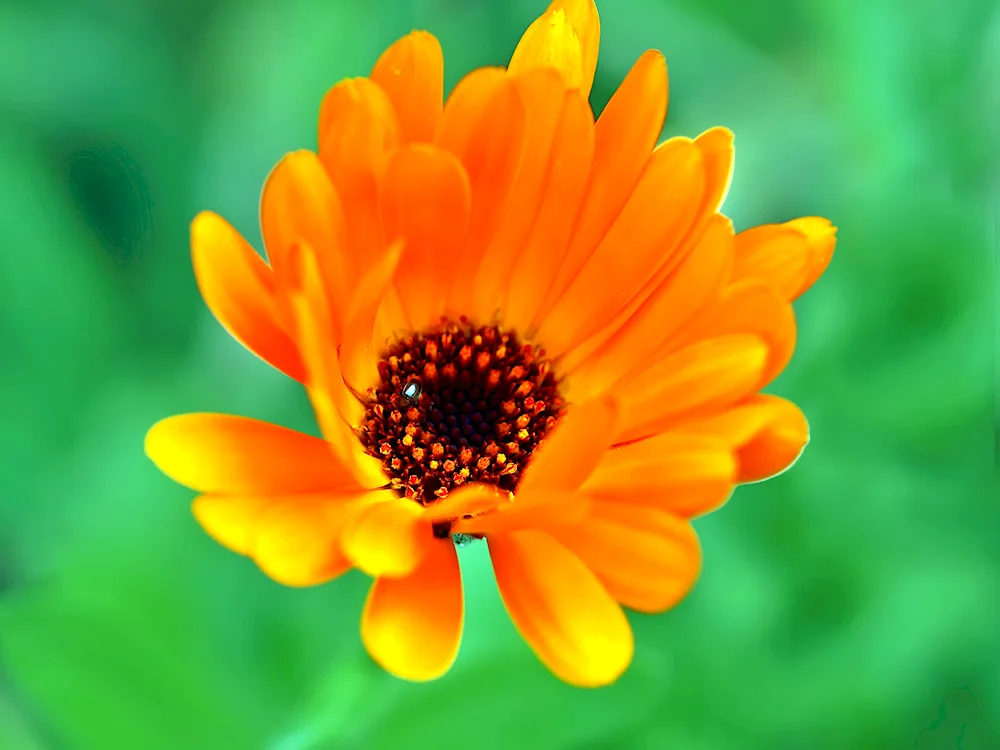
(412, 626)
(822, 237)
(218, 453)
(561, 609)
(646, 558)
(239, 289)
(411, 72)
(717, 152)
(582, 15)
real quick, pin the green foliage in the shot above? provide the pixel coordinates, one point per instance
(843, 605)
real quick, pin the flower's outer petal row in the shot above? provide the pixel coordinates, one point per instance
(650, 228)
(425, 205)
(358, 134)
(389, 538)
(484, 125)
(716, 147)
(218, 453)
(767, 434)
(683, 474)
(561, 609)
(411, 72)
(646, 558)
(639, 343)
(336, 409)
(412, 626)
(624, 137)
(543, 99)
(240, 289)
(790, 256)
(534, 270)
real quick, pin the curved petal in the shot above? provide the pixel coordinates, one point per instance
(778, 445)
(624, 137)
(358, 132)
(646, 558)
(541, 510)
(561, 609)
(582, 15)
(551, 41)
(336, 409)
(412, 626)
(822, 237)
(411, 72)
(717, 152)
(640, 340)
(774, 254)
(543, 98)
(239, 289)
(569, 453)
(218, 453)
(468, 499)
(650, 228)
(490, 143)
(537, 265)
(389, 538)
(686, 475)
(358, 354)
(707, 376)
(295, 540)
(746, 307)
(426, 205)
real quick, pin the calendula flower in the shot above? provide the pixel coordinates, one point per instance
(515, 324)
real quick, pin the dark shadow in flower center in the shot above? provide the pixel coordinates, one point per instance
(459, 404)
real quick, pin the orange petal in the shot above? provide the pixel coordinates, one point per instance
(778, 445)
(230, 519)
(747, 307)
(388, 538)
(540, 510)
(706, 377)
(775, 254)
(561, 609)
(542, 96)
(411, 72)
(412, 626)
(716, 146)
(582, 14)
(468, 499)
(295, 540)
(649, 229)
(569, 453)
(336, 408)
(218, 453)
(641, 338)
(490, 144)
(646, 558)
(551, 41)
(358, 132)
(822, 237)
(624, 137)
(536, 266)
(683, 474)
(358, 354)
(300, 206)
(239, 288)
(425, 204)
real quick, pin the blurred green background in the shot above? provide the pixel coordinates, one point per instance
(854, 602)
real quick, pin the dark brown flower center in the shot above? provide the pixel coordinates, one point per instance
(458, 404)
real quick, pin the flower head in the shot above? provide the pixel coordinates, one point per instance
(514, 323)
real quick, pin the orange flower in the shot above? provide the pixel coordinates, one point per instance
(513, 323)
